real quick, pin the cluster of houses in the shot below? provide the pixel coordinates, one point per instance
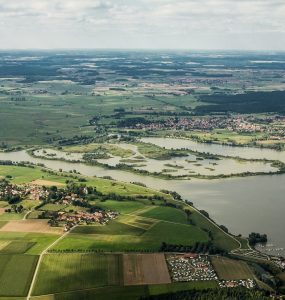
(73, 199)
(85, 218)
(31, 191)
(248, 283)
(7, 189)
(234, 123)
(191, 267)
(208, 123)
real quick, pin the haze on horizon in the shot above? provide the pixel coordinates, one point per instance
(143, 24)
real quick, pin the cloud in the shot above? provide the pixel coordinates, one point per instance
(142, 22)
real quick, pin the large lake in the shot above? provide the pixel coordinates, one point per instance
(242, 204)
(225, 150)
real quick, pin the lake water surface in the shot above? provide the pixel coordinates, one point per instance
(225, 150)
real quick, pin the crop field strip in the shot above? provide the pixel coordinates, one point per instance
(229, 269)
(16, 273)
(29, 243)
(165, 214)
(61, 272)
(17, 247)
(136, 221)
(141, 269)
(36, 225)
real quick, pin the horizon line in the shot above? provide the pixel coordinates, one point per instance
(140, 49)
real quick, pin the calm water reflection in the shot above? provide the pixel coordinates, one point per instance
(243, 152)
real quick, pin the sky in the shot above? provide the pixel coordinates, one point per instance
(140, 24)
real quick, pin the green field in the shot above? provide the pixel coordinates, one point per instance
(123, 207)
(17, 247)
(130, 233)
(24, 174)
(11, 216)
(153, 151)
(221, 240)
(113, 228)
(75, 271)
(229, 269)
(30, 243)
(16, 274)
(53, 207)
(166, 214)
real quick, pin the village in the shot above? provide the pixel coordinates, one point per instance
(13, 193)
(245, 124)
(85, 215)
(69, 220)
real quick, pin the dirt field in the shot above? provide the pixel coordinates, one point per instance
(229, 269)
(42, 182)
(30, 226)
(142, 269)
(2, 210)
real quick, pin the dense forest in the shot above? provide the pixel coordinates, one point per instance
(252, 102)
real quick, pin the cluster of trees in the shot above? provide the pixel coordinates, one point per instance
(15, 208)
(256, 238)
(131, 122)
(19, 164)
(12, 199)
(99, 154)
(198, 247)
(213, 294)
(251, 102)
(9, 196)
(75, 140)
(174, 194)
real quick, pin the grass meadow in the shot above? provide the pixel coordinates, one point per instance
(76, 271)
(16, 273)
